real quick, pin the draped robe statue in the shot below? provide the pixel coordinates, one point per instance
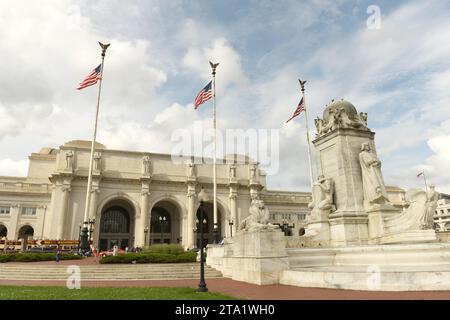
(427, 220)
(373, 184)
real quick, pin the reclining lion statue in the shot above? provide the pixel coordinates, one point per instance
(258, 218)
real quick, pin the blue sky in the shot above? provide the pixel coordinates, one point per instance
(398, 74)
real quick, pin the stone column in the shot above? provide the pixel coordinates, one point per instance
(62, 211)
(233, 206)
(59, 204)
(13, 227)
(142, 219)
(44, 213)
(191, 194)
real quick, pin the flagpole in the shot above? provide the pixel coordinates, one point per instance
(215, 230)
(425, 180)
(85, 245)
(302, 86)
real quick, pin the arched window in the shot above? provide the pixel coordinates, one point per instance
(115, 220)
(3, 231)
(158, 225)
(447, 226)
(26, 231)
(301, 231)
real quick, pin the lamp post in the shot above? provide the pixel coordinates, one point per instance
(202, 196)
(230, 223)
(91, 228)
(145, 237)
(285, 224)
(195, 234)
(79, 236)
(162, 220)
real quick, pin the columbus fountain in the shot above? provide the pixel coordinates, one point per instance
(356, 239)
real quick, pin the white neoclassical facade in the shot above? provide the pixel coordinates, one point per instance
(442, 216)
(131, 192)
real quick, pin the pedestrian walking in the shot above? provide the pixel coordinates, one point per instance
(58, 255)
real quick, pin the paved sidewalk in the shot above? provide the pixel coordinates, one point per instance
(251, 291)
(234, 288)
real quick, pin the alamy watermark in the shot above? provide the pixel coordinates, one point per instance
(74, 278)
(373, 22)
(233, 145)
(373, 280)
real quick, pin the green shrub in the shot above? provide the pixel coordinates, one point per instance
(165, 248)
(34, 257)
(151, 257)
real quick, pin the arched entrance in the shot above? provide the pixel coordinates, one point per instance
(3, 231)
(25, 233)
(116, 225)
(165, 224)
(208, 224)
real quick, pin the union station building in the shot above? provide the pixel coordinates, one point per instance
(137, 198)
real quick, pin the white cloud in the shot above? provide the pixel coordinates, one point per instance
(9, 125)
(228, 72)
(398, 74)
(437, 166)
(389, 73)
(10, 167)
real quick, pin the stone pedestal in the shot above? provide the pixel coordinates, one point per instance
(319, 232)
(376, 217)
(338, 158)
(412, 236)
(257, 257)
(348, 230)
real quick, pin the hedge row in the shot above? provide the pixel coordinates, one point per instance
(149, 257)
(165, 248)
(33, 257)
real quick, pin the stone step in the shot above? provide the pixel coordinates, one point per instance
(122, 277)
(107, 272)
(102, 271)
(101, 268)
(113, 277)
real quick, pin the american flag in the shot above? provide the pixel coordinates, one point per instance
(91, 78)
(300, 108)
(204, 95)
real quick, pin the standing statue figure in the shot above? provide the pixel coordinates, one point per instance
(363, 118)
(232, 171)
(69, 159)
(319, 125)
(253, 169)
(97, 157)
(427, 220)
(373, 184)
(146, 164)
(191, 170)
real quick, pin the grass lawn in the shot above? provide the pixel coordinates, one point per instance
(129, 293)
